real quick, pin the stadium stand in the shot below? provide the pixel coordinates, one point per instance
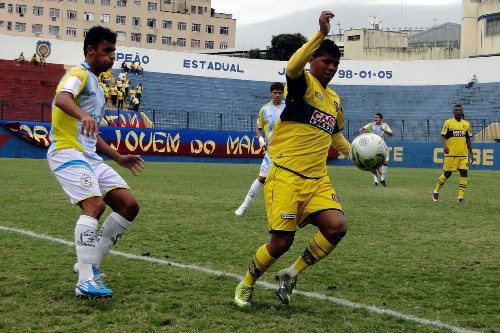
(26, 92)
(414, 112)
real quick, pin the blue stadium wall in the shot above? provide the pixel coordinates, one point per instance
(229, 146)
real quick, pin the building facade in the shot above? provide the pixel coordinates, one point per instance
(480, 28)
(175, 25)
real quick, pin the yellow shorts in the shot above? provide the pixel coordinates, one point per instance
(455, 163)
(291, 199)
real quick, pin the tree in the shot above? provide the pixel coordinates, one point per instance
(284, 45)
(254, 54)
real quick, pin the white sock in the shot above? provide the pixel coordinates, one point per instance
(254, 190)
(291, 271)
(375, 178)
(384, 172)
(85, 246)
(112, 229)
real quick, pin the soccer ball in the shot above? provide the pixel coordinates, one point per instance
(368, 151)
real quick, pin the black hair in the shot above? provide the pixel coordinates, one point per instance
(277, 86)
(96, 35)
(458, 106)
(327, 46)
(380, 115)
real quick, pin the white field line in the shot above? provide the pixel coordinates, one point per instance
(338, 301)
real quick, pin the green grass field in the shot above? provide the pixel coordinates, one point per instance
(407, 264)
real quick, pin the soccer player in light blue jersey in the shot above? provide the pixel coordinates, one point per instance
(90, 183)
(269, 114)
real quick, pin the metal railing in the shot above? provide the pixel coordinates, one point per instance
(404, 128)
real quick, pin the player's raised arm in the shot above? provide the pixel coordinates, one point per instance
(300, 58)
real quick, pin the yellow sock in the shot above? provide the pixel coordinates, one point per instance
(462, 186)
(260, 263)
(440, 183)
(317, 249)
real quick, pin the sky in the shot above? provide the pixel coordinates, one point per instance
(258, 20)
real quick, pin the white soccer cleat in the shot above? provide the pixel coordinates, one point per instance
(240, 211)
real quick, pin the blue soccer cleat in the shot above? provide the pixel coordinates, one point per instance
(93, 288)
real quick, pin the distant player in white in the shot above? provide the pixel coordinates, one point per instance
(381, 129)
(267, 118)
(77, 109)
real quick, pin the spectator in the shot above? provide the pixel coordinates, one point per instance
(131, 93)
(21, 59)
(472, 81)
(133, 68)
(113, 91)
(139, 70)
(43, 63)
(106, 94)
(125, 68)
(122, 76)
(119, 97)
(126, 86)
(34, 60)
(138, 91)
(135, 104)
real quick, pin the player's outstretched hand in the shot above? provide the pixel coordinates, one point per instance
(134, 163)
(324, 21)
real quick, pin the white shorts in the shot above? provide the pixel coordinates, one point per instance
(265, 166)
(82, 177)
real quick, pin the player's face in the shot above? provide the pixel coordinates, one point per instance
(103, 58)
(458, 112)
(324, 67)
(377, 120)
(276, 95)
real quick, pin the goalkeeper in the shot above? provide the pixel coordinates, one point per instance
(269, 113)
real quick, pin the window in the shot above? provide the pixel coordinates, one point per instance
(21, 9)
(493, 26)
(71, 14)
(137, 3)
(54, 12)
(85, 31)
(223, 46)
(21, 27)
(121, 36)
(10, 9)
(166, 40)
(90, 2)
(151, 23)
(9, 25)
(167, 24)
(195, 43)
(196, 27)
(105, 18)
(209, 29)
(200, 10)
(53, 30)
(135, 37)
(2, 6)
(152, 6)
(209, 44)
(151, 39)
(224, 30)
(168, 2)
(121, 3)
(181, 25)
(37, 11)
(37, 28)
(354, 37)
(193, 9)
(2, 23)
(72, 0)
(120, 19)
(71, 32)
(105, 2)
(88, 16)
(136, 21)
(181, 41)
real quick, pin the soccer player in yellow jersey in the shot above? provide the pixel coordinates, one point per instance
(456, 141)
(297, 190)
(77, 110)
